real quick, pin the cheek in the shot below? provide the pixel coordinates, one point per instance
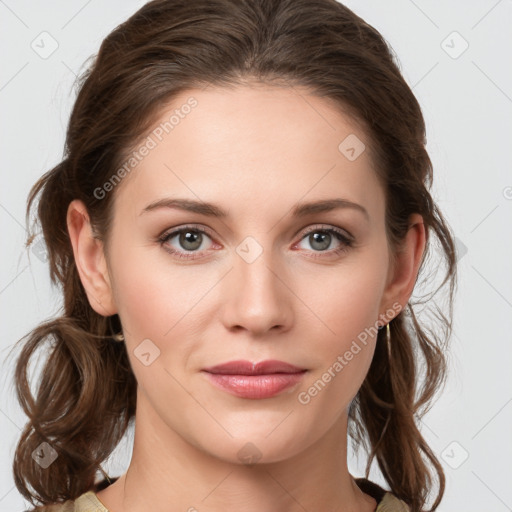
(346, 304)
(156, 306)
(151, 293)
(347, 298)
(164, 303)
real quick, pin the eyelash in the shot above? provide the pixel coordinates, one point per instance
(347, 242)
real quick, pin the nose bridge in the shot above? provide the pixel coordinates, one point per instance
(257, 298)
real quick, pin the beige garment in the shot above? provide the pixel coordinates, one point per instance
(89, 502)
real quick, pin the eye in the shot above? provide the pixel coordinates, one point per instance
(189, 239)
(321, 238)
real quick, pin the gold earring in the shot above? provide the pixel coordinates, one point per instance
(118, 337)
(388, 339)
(105, 474)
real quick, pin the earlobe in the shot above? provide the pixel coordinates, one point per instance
(90, 259)
(403, 278)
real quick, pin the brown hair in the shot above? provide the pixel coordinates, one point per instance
(86, 391)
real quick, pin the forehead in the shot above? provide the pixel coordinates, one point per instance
(252, 148)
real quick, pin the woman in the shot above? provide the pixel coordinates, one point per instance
(238, 225)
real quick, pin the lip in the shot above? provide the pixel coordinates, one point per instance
(255, 380)
(242, 367)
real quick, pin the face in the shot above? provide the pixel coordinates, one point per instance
(261, 282)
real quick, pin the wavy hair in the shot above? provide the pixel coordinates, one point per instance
(86, 392)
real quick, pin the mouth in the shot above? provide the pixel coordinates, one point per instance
(255, 380)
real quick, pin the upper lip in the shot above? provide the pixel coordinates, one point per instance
(247, 368)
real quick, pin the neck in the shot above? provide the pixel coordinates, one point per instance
(168, 473)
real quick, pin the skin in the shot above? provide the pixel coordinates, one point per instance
(254, 151)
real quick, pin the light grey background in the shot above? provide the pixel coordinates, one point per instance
(466, 98)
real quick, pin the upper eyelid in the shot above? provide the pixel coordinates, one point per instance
(325, 227)
(174, 231)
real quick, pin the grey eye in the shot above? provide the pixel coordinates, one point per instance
(190, 240)
(320, 240)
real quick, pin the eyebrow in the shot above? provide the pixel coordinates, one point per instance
(212, 210)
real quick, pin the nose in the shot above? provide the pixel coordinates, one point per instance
(256, 297)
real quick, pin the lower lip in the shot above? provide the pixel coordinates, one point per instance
(255, 386)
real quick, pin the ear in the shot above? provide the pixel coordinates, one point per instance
(90, 260)
(402, 278)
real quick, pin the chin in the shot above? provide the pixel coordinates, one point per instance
(252, 448)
